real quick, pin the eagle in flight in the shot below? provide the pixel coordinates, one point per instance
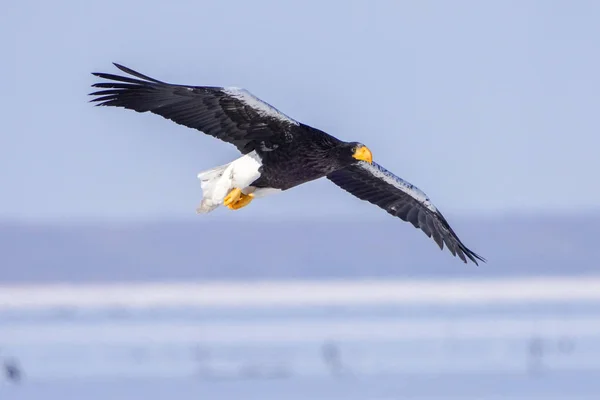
(278, 152)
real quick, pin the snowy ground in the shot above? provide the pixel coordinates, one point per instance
(511, 339)
(300, 293)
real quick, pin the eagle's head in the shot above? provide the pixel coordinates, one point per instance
(355, 151)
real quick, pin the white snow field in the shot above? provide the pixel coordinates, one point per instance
(527, 338)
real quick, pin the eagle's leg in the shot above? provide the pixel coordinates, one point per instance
(233, 196)
(243, 201)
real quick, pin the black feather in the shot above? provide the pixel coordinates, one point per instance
(367, 183)
(209, 109)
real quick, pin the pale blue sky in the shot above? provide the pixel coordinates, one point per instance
(487, 106)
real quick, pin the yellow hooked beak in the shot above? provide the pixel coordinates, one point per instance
(364, 154)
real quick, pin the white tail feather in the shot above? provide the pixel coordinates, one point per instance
(217, 182)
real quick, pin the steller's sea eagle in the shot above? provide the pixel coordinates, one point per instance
(278, 152)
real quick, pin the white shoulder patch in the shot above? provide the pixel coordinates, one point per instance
(381, 173)
(257, 104)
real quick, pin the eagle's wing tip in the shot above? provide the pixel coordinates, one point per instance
(476, 257)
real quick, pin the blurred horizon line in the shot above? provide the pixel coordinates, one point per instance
(301, 292)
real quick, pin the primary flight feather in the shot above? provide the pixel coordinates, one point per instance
(278, 152)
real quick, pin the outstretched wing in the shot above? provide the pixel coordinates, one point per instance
(375, 184)
(231, 114)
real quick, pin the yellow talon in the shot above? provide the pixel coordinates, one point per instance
(243, 201)
(232, 197)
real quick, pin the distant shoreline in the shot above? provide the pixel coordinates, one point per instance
(275, 294)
